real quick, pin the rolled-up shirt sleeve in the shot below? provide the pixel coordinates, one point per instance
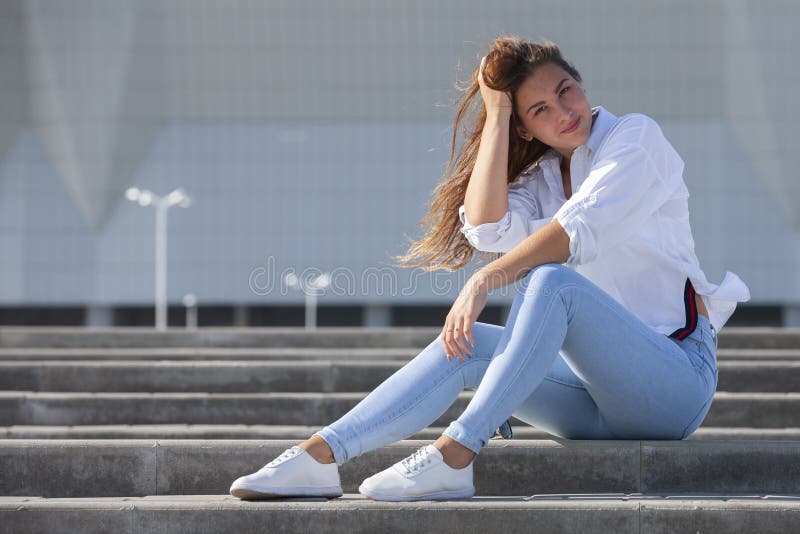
(520, 220)
(632, 176)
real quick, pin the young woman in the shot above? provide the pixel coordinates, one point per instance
(613, 332)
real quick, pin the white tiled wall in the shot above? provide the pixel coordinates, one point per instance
(314, 133)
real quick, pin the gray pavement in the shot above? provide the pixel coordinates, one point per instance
(352, 513)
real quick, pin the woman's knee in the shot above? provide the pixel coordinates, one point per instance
(547, 277)
(486, 337)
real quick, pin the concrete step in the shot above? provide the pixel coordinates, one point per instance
(212, 353)
(352, 513)
(759, 376)
(763, 410)
(758, 355)
(247, 376)
(197, 376)
(130, 468)
(129, 337)
(291, 353)
(66, 337)
(301, 432)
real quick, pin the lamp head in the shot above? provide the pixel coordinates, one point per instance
(180, 198)
(146, 198)
(132, 194)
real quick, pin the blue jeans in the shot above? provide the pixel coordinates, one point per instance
(570, 360)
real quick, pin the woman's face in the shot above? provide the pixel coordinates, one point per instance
(549, 102)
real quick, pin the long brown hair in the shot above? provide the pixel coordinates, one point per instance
(509, 62)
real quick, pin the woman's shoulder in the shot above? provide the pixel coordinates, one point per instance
(641, 130)
(634, 128)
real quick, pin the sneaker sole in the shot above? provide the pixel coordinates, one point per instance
(291, 491)
(437, 496)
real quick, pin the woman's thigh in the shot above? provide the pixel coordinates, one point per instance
(645, 385)
(562, 406)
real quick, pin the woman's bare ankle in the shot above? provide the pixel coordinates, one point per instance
(318, 449)
(455, 454)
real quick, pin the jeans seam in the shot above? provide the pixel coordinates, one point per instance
(692, 420)
(707, 339)
(705, 336)
(690, 355)
(564, 383)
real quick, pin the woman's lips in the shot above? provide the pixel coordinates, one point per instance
(573, 127)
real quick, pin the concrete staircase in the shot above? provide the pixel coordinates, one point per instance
(132, 430)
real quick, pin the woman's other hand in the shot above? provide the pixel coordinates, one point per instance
(457, 331)
(495, 101)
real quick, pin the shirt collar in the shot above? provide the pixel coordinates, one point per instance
(605, 120)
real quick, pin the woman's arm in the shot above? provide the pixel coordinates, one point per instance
(486, 198)
(521, 220)
(549, 244)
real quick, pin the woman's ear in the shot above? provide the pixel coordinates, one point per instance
(523, 133)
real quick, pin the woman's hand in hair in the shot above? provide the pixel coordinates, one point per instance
(457, 331)
(495, 101)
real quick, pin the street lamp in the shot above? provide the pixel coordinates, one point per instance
(145, 198)
(190, 302)
(310, 288)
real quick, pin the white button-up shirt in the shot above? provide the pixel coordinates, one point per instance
(627, 221)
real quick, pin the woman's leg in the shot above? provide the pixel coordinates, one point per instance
(562, 406)
(412, 398)
(643, 383)
(422, 390)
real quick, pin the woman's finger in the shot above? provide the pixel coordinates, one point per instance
(468, 334)
(456, 343)
(447, 337)
(452, 341)
(460, 339)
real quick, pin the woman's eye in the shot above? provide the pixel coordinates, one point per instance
(564, 90)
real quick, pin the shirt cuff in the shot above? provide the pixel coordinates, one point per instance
(484, 234)
(582, 245)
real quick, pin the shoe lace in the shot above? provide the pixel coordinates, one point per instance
(285, 455)
(417, 460)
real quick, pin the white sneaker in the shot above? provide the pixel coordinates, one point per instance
(294, 473)
(423, 476)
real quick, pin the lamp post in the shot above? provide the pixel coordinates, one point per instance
(190, 302)
(144, 198)
(310, 288)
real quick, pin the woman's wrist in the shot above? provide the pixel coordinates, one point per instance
(498, 114)
(479, 282)
(491, 277)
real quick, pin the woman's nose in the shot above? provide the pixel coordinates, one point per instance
(567, 117)
(566, 113)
